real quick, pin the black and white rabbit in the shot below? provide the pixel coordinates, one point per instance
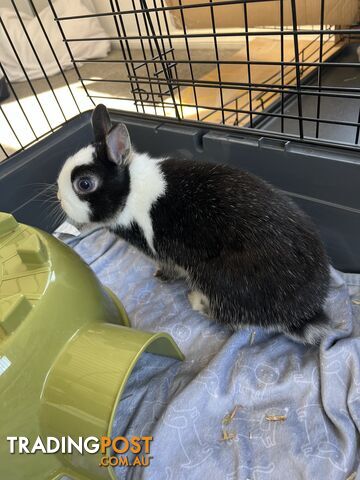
(249, 254)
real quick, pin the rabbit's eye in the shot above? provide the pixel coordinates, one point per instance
(86, 184)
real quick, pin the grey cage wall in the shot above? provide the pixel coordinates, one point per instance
(272, 86)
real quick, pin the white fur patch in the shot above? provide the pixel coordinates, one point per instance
(315, 333)
(75, 208)
(198, 301)
(147, 184)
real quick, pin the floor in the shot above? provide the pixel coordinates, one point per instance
(44, 105)
(237, 102)
(330, 108)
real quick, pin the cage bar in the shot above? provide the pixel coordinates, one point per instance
(159, 69)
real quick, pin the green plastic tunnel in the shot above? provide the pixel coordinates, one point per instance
(66, 352)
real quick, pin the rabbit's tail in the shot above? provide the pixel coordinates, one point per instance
(313, 330)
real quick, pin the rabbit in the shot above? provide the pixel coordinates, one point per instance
(250, 256)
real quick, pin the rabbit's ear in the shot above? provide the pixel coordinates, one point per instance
(118, 144)
(101, 122)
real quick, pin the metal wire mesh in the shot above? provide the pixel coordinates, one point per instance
(288, 79)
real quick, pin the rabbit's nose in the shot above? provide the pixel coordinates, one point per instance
(58, 195)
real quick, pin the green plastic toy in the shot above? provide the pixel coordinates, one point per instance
(66, 351)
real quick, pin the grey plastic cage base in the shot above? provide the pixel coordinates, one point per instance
(324, 181)
(4, 91)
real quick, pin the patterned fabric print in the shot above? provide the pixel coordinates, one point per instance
(295, 409)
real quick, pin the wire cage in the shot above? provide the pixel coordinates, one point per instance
(214, 61)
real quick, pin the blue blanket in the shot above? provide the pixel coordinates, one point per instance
(247, 405)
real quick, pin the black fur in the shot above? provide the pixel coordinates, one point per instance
(243, 244)
(247, 247)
